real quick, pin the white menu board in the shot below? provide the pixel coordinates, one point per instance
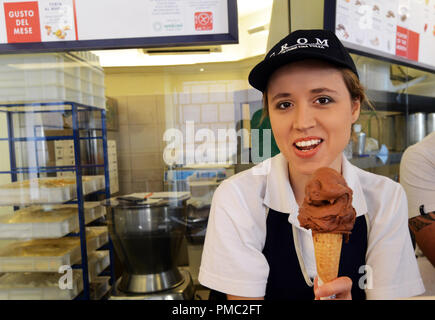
(400, 29)
(98, 23)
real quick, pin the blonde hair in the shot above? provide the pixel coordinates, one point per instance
(353, 85)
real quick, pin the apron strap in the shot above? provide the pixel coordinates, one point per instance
(299, 255)
(297, 245)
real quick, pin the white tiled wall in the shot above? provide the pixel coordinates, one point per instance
(144, 119)
(139, 143)
(209, 104)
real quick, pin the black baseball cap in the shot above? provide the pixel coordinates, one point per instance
(300, 45)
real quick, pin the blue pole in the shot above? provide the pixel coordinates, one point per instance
(42, 104)
(76, 135)
(12, 156)
(36, 149)
(49, 138)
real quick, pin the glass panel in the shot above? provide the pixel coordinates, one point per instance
(403, 99)
(202, 98)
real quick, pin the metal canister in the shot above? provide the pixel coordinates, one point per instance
(361, 139)
(430, 123)
(147, 235)
(416, 127)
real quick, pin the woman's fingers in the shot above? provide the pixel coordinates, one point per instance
(340, 287)
(316, 285)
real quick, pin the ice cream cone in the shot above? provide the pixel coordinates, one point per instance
(327, 249)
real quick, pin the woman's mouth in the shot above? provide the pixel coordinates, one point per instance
(307, 147)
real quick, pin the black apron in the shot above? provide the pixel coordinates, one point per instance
(286, 280)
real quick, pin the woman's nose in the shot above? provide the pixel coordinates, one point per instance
(304, 118)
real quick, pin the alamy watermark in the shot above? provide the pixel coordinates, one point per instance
(216, 146)
(366, 280)
(66, 281)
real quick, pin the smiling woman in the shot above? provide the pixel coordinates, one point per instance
(310, 103)
(255, 246)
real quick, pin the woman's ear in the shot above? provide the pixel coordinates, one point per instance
(356, 108)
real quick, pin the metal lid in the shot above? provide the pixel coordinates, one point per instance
(171, 195)
(146, 200)
(132, 202)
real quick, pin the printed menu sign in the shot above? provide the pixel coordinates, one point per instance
(22, 22)
(170, 17)
(401, 28)
(407, 43)
(41, 21)
(38, 21)
(57, 20)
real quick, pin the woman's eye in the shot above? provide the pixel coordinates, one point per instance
(284, 105)
(324, 100)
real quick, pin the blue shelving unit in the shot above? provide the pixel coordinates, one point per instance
(75, 109)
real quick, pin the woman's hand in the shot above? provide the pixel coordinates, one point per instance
(340, 287)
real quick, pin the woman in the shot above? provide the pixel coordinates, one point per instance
(255, 247)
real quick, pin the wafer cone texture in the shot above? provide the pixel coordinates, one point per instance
(327, 248)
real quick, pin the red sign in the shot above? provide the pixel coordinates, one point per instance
(22, 22)
(203, 21)
(407, 43)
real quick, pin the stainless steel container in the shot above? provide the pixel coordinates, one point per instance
(416, 127)
(361, 139)
(430, 123)
(147, 237)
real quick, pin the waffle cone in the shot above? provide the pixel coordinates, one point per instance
(327, 248)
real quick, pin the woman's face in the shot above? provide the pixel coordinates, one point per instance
(311, 114)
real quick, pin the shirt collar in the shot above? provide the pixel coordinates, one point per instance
(279, 194)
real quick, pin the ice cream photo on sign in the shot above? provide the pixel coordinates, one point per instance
(57, 20)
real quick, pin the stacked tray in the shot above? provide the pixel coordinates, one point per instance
(98, 261)
(99, 235)
(38, 286)
(29, 269)
(48, 255)
(47, 222)
(45, 285)
(47, 190)
(99, 287)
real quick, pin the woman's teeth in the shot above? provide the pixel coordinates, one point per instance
(308, 144)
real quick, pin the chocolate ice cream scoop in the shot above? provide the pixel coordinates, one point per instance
(327, 207)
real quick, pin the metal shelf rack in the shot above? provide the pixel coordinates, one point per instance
(75, 109)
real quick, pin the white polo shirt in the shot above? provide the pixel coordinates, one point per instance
(233, 262)
(417, 175)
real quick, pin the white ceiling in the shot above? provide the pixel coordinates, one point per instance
(246, 7)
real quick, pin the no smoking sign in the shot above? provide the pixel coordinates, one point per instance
(203, 21)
